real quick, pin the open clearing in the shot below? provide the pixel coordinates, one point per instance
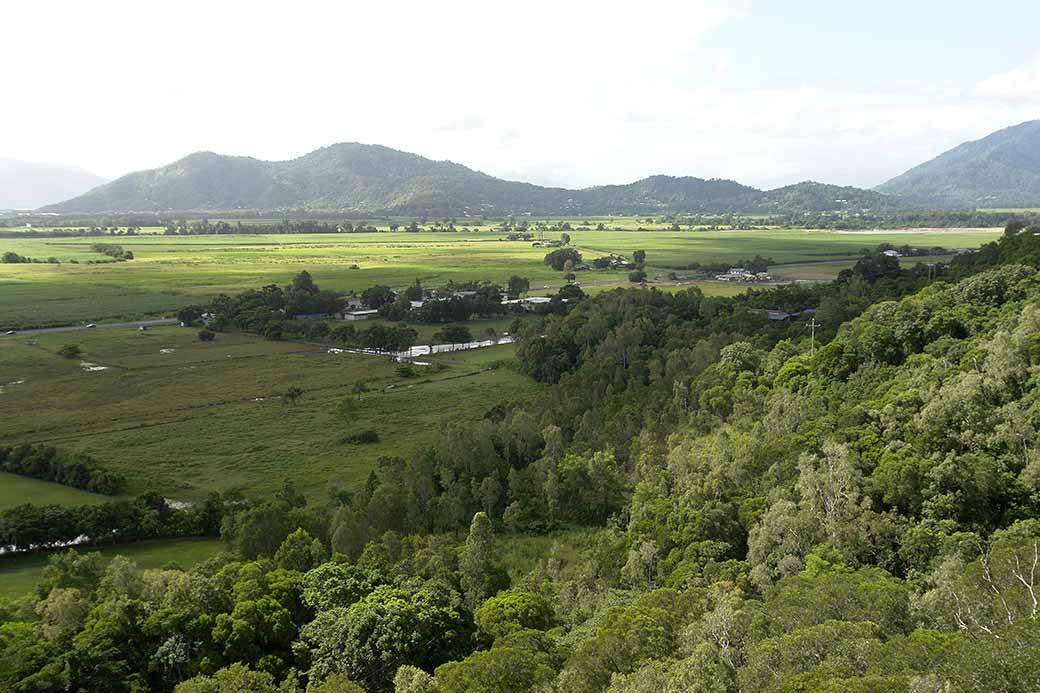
(15, 490)
(19, 575)
(184, 417)
(172, 271)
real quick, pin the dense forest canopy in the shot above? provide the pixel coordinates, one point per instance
(734, 505)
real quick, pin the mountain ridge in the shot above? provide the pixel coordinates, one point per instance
(350, 177)
(999, 170)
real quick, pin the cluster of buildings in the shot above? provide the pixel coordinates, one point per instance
(354, 309)
(739, 274)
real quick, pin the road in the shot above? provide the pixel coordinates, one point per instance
(100, 325)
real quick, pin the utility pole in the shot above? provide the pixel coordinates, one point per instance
(812, 324)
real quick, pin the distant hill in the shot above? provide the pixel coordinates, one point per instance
(1000, 170)
(28, 185)
(374, 180)
(810, 196)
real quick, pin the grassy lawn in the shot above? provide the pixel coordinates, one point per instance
(15, 490)
(169, 272)
(19, 575)
(184, 417)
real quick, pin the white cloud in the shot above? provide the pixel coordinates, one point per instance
(1022, 82)
(573, 93)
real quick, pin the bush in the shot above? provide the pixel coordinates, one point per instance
(70, 351)
(454, 334)
(365, 437)
(206, 336)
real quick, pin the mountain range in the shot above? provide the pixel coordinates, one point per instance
(1001, 170)
(375, 180)
(28, 185)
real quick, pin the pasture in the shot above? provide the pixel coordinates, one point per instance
(15, 490)
(19, 575)
(184, 417)
(172, 271)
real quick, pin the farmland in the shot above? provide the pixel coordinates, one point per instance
(184, 417)
(172, 271)
(18, 576)
(15, 490)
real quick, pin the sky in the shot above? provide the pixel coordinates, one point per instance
(766, 92)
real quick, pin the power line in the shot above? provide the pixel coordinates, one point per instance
(812, 324)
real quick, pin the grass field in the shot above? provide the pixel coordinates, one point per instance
(19, 575)
(15, 490)
(169, 272)
(184, 417)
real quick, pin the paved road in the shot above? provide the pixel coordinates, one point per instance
(100, 325)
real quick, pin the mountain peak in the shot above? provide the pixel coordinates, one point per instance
(1001, 169)
(371, 180)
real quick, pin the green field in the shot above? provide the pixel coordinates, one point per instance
(15, 490)
(184, 417)
(19, 576)
(169, 272)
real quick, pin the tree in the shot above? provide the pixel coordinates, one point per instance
(300, 551)
(639, 257)
(518, 286)
(510, 612)
(189, 315)
(292, 395)
(304, 283)
(557, 259)
(454, 334)
(565, 238)
(476, 562)
(236, 677)
(378, 296)
(637, 276)
(70, 351)
(369, 640)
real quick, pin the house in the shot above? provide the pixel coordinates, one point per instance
(740, 274)
(353, 315)
(415, 304)
(529, 303)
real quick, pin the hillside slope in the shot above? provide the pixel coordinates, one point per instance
(999, 170)
(375, 180)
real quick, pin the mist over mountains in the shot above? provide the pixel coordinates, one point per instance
(28, 185)
(1001, 170)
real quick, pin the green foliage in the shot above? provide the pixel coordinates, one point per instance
(509, 612)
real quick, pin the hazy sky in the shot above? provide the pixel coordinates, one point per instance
(767, 92)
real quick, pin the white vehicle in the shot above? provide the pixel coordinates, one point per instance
(11, 332)
(91, 326)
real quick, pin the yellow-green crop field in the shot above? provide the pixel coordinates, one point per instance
(168, 272)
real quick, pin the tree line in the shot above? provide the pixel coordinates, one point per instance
(47, 463)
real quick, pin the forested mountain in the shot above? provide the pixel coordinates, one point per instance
(28, 185)
(370, 180)
(999, 170)
(732, 508)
